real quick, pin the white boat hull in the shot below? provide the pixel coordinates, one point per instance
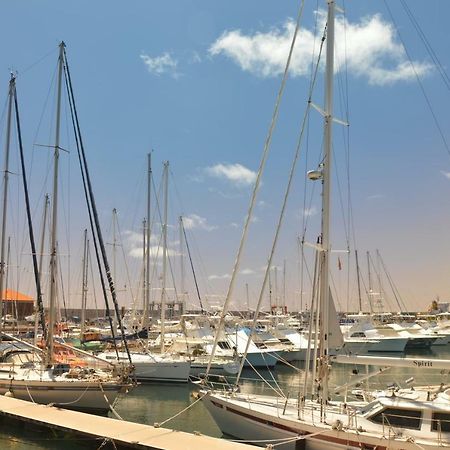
(363, 346)
(175, 372)
(263, 424)
(86, 396)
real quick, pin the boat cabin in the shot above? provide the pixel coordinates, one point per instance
(405, 416)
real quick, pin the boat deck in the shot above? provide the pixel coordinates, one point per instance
(122, 433)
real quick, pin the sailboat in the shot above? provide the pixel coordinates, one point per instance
(150, 366)
(31, 373)
(315, 421)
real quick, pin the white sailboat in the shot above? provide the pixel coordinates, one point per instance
(315, 421)
(148, 365)
(28, 372)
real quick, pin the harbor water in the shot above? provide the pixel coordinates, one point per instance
(155, 403)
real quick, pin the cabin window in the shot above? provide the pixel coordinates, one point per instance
(440, 422)
(358, 334)
(224, 345)
(404, 418)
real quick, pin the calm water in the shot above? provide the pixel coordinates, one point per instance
(152, 403)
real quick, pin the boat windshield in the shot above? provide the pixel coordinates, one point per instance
(398, 417)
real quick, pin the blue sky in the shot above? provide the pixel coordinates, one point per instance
(196, 82)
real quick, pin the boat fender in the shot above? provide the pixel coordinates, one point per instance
(337, 425)
(9, 394)
(156, 425)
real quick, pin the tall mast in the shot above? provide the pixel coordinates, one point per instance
(84, 286)
(12, 82)
(182, 271)
(359, 281)
(145, 323)
(370, 293)
(41, 257)
(277, 298)
(164, 274)
(114, 263)
(144, 272)
(53, 243)
(326, 191)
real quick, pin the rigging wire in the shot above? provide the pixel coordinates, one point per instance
(419, 81)
(93, 215)
(38, 61)
(265, 154)
(401, 304)
(284, 204)
(437, 63)
(192, 265)
(35, 144)
(30, 225)
(195, 246)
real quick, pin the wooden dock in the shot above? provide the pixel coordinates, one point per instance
(119, 433)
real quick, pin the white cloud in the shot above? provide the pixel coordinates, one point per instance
(247, 272)
(237, 174)
(162, 64)
(308, 212)
(446, 174)
(225, 276)
(194, 221)
(133, 243)
(234, 225)
(370, 47)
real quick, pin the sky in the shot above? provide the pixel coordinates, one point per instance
(195, 83)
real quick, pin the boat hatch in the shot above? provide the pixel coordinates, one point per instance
(399, 417)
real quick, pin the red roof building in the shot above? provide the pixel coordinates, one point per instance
(17, 304)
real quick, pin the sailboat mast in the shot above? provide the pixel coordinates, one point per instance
(41, 257)
(326, 182)
(12, 82)
(182, 271)
(164, 274)
(358, 275)
(84, 286)
(145, 323)
(53, 244)
(114, 262)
